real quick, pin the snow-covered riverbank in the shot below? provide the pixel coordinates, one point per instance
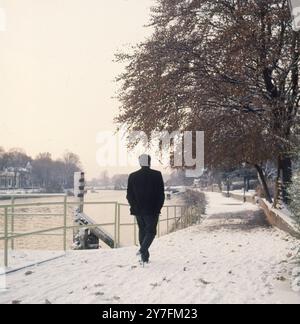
(232, 257)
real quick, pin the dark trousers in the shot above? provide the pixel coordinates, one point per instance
(147, 231)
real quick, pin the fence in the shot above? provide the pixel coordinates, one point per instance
(180, 217)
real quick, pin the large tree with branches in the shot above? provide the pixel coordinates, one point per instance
(227, 67)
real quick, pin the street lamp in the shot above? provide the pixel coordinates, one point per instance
(295, 12)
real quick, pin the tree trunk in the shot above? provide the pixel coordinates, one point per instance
(285, 166)
(277, 184)
(264, 183)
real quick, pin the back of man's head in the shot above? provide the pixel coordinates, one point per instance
(145, 161)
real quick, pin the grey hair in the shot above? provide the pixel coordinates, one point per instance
(145, 160)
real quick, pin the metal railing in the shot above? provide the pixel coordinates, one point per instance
(187, 217)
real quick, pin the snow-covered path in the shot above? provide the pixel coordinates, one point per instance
(232, 257)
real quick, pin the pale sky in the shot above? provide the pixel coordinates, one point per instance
(57, 74)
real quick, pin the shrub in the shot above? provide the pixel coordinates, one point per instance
(294, 195)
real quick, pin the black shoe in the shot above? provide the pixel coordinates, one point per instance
(145, 257)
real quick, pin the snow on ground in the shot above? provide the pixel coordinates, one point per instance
(24, 258)
(232, 257)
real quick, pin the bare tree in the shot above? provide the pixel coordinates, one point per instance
(72, 164)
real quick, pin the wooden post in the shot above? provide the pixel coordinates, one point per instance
(79, 185)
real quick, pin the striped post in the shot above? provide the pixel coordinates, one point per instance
(79, 184)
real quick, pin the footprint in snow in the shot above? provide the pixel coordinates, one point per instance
(98, 285)
(204, 282)
(16, 302)
(28, 273)
(155, 285)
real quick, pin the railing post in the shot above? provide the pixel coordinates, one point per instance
(168, 216)
(65, 223)
(119, 225)
(116, 226)
(12, 229)
(6, 237)
(175, 216)
(186, 210)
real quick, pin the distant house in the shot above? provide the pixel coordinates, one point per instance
(16, 178)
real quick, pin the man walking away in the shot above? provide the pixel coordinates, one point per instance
(146, 196)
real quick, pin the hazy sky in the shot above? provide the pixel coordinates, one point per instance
(57, 74)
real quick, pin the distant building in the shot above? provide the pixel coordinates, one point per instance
(16, 178)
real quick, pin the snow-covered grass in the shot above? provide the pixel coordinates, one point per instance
(232, 257)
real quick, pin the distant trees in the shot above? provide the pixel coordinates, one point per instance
(178, 178)
(48, 174)
(15, 158)
(120, 181)
(105, 179)
(117, 181)
(55, 175)
(102, 181)
(229, 68)
(71, 163)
